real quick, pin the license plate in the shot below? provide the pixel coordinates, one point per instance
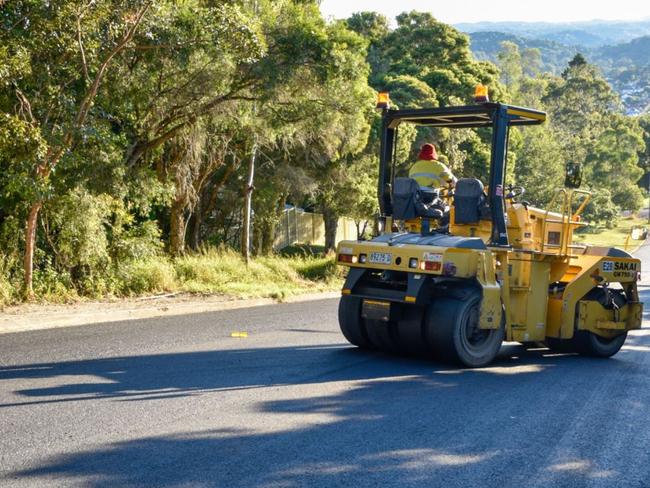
(380, 257)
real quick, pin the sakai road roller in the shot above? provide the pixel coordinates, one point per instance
(452, 274)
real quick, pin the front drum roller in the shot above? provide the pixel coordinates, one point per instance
(587, 343)
(453, 333)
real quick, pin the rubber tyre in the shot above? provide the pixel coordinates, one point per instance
(410, 332)
(351, 324)
(382, 335)
(453, 334)
(589, 344)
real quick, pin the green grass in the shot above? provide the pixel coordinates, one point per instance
(302, 250)
(616, 237)
(225, 272)
(212, 271)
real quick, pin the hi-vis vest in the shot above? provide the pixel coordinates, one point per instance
(430, 173)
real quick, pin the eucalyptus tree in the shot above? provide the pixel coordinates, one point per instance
(66, 49)
(590, 126)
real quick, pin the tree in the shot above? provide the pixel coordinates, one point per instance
(612, 162)
(189, 162)
(373, 27)
(540, 164)
(587, 118)
(531, 60)
(56, 92)
(580, 100)
(510, 63)
(644, 157)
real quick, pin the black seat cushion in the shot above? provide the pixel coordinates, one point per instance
(410, 200)
(405, 196)
(469, 199)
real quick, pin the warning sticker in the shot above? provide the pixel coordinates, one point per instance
(432, 256)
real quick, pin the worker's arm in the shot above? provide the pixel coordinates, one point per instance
(446, 174)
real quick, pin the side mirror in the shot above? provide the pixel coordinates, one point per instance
(573, 177)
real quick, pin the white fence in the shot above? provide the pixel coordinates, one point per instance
(297, 225)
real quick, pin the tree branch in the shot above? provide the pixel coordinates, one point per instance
(128, 35)
(84, 64)
(54, 155)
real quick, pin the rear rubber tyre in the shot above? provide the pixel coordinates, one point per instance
(410, 334)
(351, 324)
(590, 344)
(382, 335)
(453, 333)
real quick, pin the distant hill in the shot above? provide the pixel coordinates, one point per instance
(590, 34)
(555, 56)
(634, 53)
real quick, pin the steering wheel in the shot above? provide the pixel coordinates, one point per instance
(514, 192)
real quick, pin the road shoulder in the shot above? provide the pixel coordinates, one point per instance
(37, 317)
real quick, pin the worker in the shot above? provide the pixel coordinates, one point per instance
(428, 171)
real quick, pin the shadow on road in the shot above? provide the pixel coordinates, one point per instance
(403, 422)
(153, 376)
(139, 378)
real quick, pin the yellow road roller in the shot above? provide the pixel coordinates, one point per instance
(453, 273)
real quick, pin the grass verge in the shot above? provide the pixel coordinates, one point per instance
(225, 272)
(616, 237)
(212, 271)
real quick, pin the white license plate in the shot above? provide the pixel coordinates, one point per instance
(380, 257)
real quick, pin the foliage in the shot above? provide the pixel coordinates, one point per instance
(601, 210)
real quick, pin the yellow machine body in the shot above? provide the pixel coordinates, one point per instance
(457, 271)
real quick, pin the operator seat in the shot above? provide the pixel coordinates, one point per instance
(410, 201)
(469, 201)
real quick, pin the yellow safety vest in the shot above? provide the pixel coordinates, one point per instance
(432, 174)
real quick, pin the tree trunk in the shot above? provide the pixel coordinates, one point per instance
(177, 229)
(331, 225)
(361, 229)
(30, 244)
(267, 235)
(197, 221)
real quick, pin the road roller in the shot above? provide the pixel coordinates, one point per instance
(453, 273)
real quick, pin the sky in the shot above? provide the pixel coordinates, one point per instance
(455, 11)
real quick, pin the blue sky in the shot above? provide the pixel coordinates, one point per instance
(454, 11)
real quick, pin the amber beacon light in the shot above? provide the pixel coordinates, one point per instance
(481, 94)
(383, 101)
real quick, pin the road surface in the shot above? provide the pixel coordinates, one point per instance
(179, 402)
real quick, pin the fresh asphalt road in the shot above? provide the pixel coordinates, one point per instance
(179, 402)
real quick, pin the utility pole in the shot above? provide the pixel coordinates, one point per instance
(248, 191)
(248, 200)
